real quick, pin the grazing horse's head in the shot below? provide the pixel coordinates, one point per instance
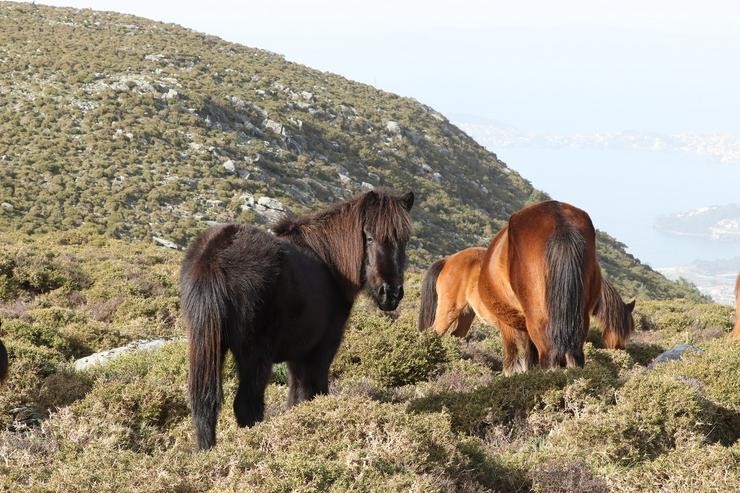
(616, 317)
(386, 229)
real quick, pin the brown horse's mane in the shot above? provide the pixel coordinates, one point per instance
(336, 234)
(612, 312)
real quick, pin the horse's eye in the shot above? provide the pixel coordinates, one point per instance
(370, 239)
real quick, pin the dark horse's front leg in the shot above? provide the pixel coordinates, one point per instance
(309, 376)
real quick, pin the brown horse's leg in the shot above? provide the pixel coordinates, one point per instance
(547, 357)
(464, 321)
(518, 350)
(447, 313)
(537, 329)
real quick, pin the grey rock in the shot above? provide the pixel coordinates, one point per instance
(230, 166)
(165, 243)
(274, 126)
(271, 203)
(170, 94)
(111, 354)
(393, 128)
(248, 199)
(673, 354)
(7, 206)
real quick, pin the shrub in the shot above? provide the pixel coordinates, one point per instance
(36, 334)
(653, 413)
(392, 352)
(29, 366)
(511, 399)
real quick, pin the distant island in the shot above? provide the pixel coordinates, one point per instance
(717, 223)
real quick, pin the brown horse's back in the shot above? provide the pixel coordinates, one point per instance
(540, 279)
(736, 330)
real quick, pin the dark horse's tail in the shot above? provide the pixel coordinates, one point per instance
(565, 253)
(3, 362)
(218, 307)
(429, 295)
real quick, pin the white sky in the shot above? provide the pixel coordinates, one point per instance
(547, 66)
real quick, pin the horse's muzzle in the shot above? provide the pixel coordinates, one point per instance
(389, 297)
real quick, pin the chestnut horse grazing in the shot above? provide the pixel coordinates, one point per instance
(450, 295)
(736, 330)
(285, 297)
(538, 281)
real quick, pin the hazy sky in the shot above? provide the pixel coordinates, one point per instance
(546, 66)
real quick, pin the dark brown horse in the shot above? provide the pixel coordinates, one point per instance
(736, 330)
(285, 297)
(3, 362)
(538, 281)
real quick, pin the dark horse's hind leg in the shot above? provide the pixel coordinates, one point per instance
(254, 374)
(309, 376)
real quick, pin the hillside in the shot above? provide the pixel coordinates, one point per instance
(138, 129)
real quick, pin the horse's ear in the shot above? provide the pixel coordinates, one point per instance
(407, 200)
(631, 305)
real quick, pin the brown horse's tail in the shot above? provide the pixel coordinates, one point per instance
(3, 362)
(429, 295)
(565, 296)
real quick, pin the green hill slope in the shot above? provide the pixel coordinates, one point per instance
(144, 129)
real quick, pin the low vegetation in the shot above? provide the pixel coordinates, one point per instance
(406, 411)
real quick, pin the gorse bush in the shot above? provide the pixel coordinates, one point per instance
(392, 352)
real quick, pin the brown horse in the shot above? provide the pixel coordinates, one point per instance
(538, 281)
(285, 297)
(450, 295)
(736, 330)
